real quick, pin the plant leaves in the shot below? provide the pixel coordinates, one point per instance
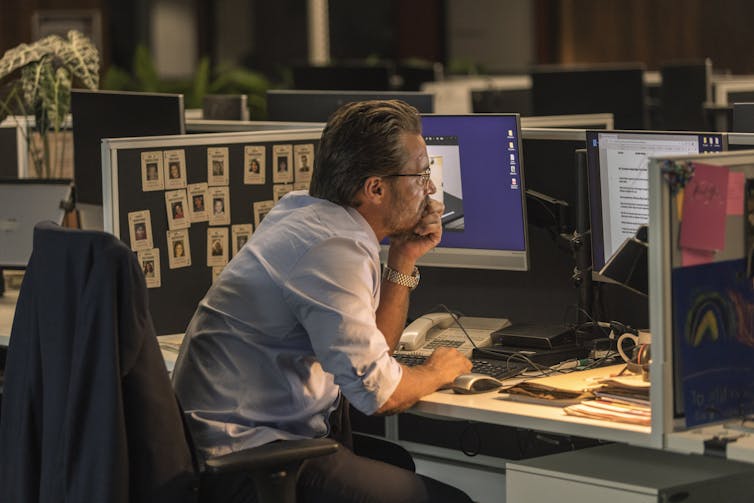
(24, 54)
(80, 57)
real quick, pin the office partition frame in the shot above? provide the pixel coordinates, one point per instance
(573, 121)
(675, 435)
(111, 146)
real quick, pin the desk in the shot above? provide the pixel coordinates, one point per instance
(489, 408)
(494, 408)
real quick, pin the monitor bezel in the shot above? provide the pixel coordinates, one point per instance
(594, 190)
(482, 258)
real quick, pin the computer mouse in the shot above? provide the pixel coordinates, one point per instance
(475, 383)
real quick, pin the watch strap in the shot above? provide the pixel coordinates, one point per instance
(411, 282)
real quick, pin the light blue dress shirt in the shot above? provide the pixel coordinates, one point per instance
(288, 325)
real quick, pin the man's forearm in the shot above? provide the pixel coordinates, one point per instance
(392, 311)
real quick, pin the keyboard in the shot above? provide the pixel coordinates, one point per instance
(500, 370)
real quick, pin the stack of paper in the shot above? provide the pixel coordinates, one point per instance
(621, 398)
(563, 388)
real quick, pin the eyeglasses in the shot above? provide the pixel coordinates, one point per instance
(425, 175)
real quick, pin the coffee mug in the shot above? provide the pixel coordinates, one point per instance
(639, 356)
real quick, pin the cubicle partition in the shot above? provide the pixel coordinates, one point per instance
(185, 204)
(702, 302)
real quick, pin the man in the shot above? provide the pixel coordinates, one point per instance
(300, 321)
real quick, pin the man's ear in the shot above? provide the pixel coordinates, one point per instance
(374, 189)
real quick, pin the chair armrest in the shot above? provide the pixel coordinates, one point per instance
(272, 455)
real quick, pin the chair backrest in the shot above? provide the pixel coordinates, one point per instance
(88, 410)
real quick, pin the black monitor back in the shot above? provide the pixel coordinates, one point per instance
(491, 101)
(9, 148)
(115, 114)
(232, 107)
(684, 90)
(342, 77)
(743, 117)
(317, 106)
(616, 89)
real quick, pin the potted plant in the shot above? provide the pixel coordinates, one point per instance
(37, 91)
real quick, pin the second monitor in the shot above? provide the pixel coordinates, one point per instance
(619, 182)
(478, 173)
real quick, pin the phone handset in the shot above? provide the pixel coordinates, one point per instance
(415, 334)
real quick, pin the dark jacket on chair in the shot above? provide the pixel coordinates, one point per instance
(88, 411)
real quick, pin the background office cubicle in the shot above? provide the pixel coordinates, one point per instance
(13, 147)
(115, 114)
(246, 197)
(702, 297)
(23, 204)
(317, 106)
(572, 121)
(344, 77)
(686, 86)
(225, 107)
(198, 126)
(743, 117)
(616, 89)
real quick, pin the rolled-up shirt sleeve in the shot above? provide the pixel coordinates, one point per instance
(333, 291)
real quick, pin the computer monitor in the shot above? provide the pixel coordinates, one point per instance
(317, 106)
(686, 86)
(225, 107)
(550, 160)
(477, 168)
(743, 117)
(618, 180)
(344, 77)
(115, 114)
(12, 145)
(501, 101)
(23, 204)
(616, 89)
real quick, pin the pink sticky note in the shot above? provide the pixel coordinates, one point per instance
(704, 206)
(736, 181)
(689, 256)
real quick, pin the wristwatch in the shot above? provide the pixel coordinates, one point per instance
(399, 278)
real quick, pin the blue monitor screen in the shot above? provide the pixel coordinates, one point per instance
(477, 168)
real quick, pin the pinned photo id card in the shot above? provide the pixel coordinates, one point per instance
(282, 169)
(217, 166)
(197, 202)
(279, 190)
(261, 208)
(219, 199)
(301, 186)
(175, 204)
(151, 171)
(179, 249)
(240, 234)
(217, 246)
(175, 169)
(150, 264)
(140, 230)
(304, 155)
(254, 165)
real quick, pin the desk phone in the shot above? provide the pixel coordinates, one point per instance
(432, 330)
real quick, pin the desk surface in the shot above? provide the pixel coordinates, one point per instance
(492, 408)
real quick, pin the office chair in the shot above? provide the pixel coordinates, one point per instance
(89, 413)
